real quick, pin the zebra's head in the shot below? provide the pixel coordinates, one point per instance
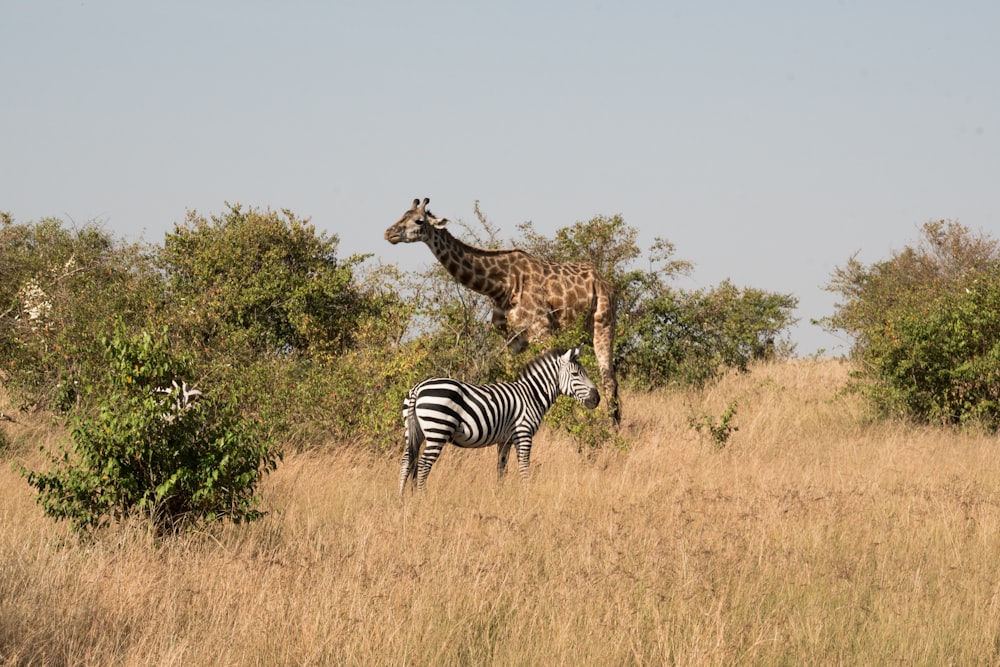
(573, 379)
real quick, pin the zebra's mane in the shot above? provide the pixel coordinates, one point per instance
(541, 360)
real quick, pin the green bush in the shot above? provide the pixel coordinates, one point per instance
(691, 338)
(259, 283)
(721, 431)
(60, 291)
(154, 448)
(926, 327)
(367, 391)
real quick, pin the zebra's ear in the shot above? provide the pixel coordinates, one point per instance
(574, 353)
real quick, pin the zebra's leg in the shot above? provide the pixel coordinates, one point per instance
(432, 449)
(503, 450)
(523, 446)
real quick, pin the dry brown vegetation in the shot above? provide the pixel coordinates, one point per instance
(815, 537)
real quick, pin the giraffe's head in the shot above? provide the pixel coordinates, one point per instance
(415, 225)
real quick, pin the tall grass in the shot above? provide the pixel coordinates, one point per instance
(812, 537)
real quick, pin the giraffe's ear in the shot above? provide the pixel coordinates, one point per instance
(438, 223)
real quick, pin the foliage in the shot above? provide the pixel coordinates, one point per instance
(367, 392)
(154, 447)
(260, 283)
(926, 326)
(311, 398)
(60, 291)
(277, 320)
(690, 338)
(720, 431)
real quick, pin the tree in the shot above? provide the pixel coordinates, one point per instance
(154, 446)
(262, 282)
(692, 337)
(61, 289)
(926, 326)
(308, 342)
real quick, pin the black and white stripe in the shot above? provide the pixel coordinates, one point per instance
(442, 410)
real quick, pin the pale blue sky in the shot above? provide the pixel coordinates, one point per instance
(768, 141)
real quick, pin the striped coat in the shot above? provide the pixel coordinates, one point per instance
(507, 414)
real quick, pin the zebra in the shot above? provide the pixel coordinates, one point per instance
(443, 410)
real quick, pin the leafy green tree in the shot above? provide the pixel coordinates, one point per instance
(60, 290)
(303, 338)
(262, 282)
(690, 337)
(155, 447)
(926, 326)
(355, 397)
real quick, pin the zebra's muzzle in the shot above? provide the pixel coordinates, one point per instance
(592, 400)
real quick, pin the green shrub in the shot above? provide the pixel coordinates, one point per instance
(152, 447)
(367, 391)
(719, 431)
(926, 327)
(253, 283)
(60, 291)
(691, 338)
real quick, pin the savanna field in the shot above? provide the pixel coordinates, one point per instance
(815, 536)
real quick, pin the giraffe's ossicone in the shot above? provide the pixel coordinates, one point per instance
(531, 297)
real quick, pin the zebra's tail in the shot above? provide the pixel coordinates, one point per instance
(414, 435)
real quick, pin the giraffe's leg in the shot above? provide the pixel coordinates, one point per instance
(604, 342)
(541, 327)
(517, 344)
(529, 322)
(515, 341)
(609, 385)
(499, 319)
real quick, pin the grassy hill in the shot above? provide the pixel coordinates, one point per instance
(815, 536)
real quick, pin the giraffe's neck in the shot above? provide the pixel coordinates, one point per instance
(478, 269)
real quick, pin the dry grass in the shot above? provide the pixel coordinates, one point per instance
(813, 538)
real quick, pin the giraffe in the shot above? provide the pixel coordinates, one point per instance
(531, 296)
